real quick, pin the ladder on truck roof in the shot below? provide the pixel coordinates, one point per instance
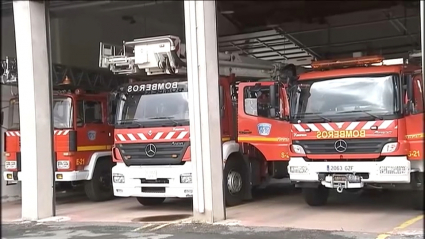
(65, 77)
(166, 55)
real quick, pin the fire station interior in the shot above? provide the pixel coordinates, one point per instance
(298, 32)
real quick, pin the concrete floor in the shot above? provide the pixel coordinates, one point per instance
(380, 215)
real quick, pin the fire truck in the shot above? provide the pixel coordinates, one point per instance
(82, 135)
(152, 146)
(357, 123)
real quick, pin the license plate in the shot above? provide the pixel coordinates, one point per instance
(150, 174)
(346, 178)
(339, 168)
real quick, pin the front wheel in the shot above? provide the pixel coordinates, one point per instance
(234, 182)
(316, 196)
(150, 201)
(99, 188)
(418, 200)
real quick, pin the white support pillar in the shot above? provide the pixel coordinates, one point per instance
(34, 110)
(205, 133)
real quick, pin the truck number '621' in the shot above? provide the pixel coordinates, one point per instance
(153, 86)
(339, 168)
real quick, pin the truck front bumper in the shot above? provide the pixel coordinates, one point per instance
(153, 181)
(390, 170)
(59, 176)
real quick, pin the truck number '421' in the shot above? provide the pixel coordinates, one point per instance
(339, 168)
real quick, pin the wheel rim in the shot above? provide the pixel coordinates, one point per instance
(234, 182)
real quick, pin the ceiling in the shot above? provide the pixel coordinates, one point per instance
(324, 29)
(252, 14)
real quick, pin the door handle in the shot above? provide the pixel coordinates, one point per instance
(103, 131)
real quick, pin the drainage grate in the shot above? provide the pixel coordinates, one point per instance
(162, 218)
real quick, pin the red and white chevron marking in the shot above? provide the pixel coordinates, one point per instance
(364, 125)
(153, 137)
(18, 134)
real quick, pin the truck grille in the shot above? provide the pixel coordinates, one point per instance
(164, 153)
(354, 146)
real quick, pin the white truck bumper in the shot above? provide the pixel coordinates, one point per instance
(390, 170)
(59, 176)
(152, 181)
(71, 176)
(11, 176)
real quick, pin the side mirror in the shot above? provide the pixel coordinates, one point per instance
(221, 101)
(2, 118)
(112, 107)
(409, 90)
(273, 99)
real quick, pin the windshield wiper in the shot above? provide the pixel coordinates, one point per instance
(363, 111)
(316, 114)
(129, 121)
(164, 117)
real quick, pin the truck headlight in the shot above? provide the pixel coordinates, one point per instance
(389, 148)
(118, 178)
(298, 149)
(298, 169)
(393, 170)
(10, 165)
(62, 164)
(186, 178)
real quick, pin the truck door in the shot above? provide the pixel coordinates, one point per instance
(261, 124)
(225, 114)
(414, 117)
(92, 127)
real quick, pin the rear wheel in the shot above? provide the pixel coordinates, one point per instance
(145, 201)
(99, 188)
(316, 196)
(234, 176)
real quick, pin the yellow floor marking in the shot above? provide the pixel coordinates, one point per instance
(160, 226)
(143, 227)
(401, 226)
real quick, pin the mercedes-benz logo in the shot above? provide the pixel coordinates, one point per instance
(150, 150)
(340, 145)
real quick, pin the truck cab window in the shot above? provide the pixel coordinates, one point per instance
(93, 112)
(257, 101)
(418, 99)
(80, 113)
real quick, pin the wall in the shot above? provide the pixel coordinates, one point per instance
(80, 42)
(79, 45)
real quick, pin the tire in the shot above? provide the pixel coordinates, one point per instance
(145, 201)
(418, 200)
(234, 182)
(100, 188)
(316, 196)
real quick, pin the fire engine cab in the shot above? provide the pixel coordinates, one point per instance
(357, 123)
(82, 135)
(152, 146)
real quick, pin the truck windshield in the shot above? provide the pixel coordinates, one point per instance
(342, 98)
(62, 113)
(154, 107)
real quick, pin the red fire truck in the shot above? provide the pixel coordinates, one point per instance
(82, 135)
(357, 123)
(152, 146)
